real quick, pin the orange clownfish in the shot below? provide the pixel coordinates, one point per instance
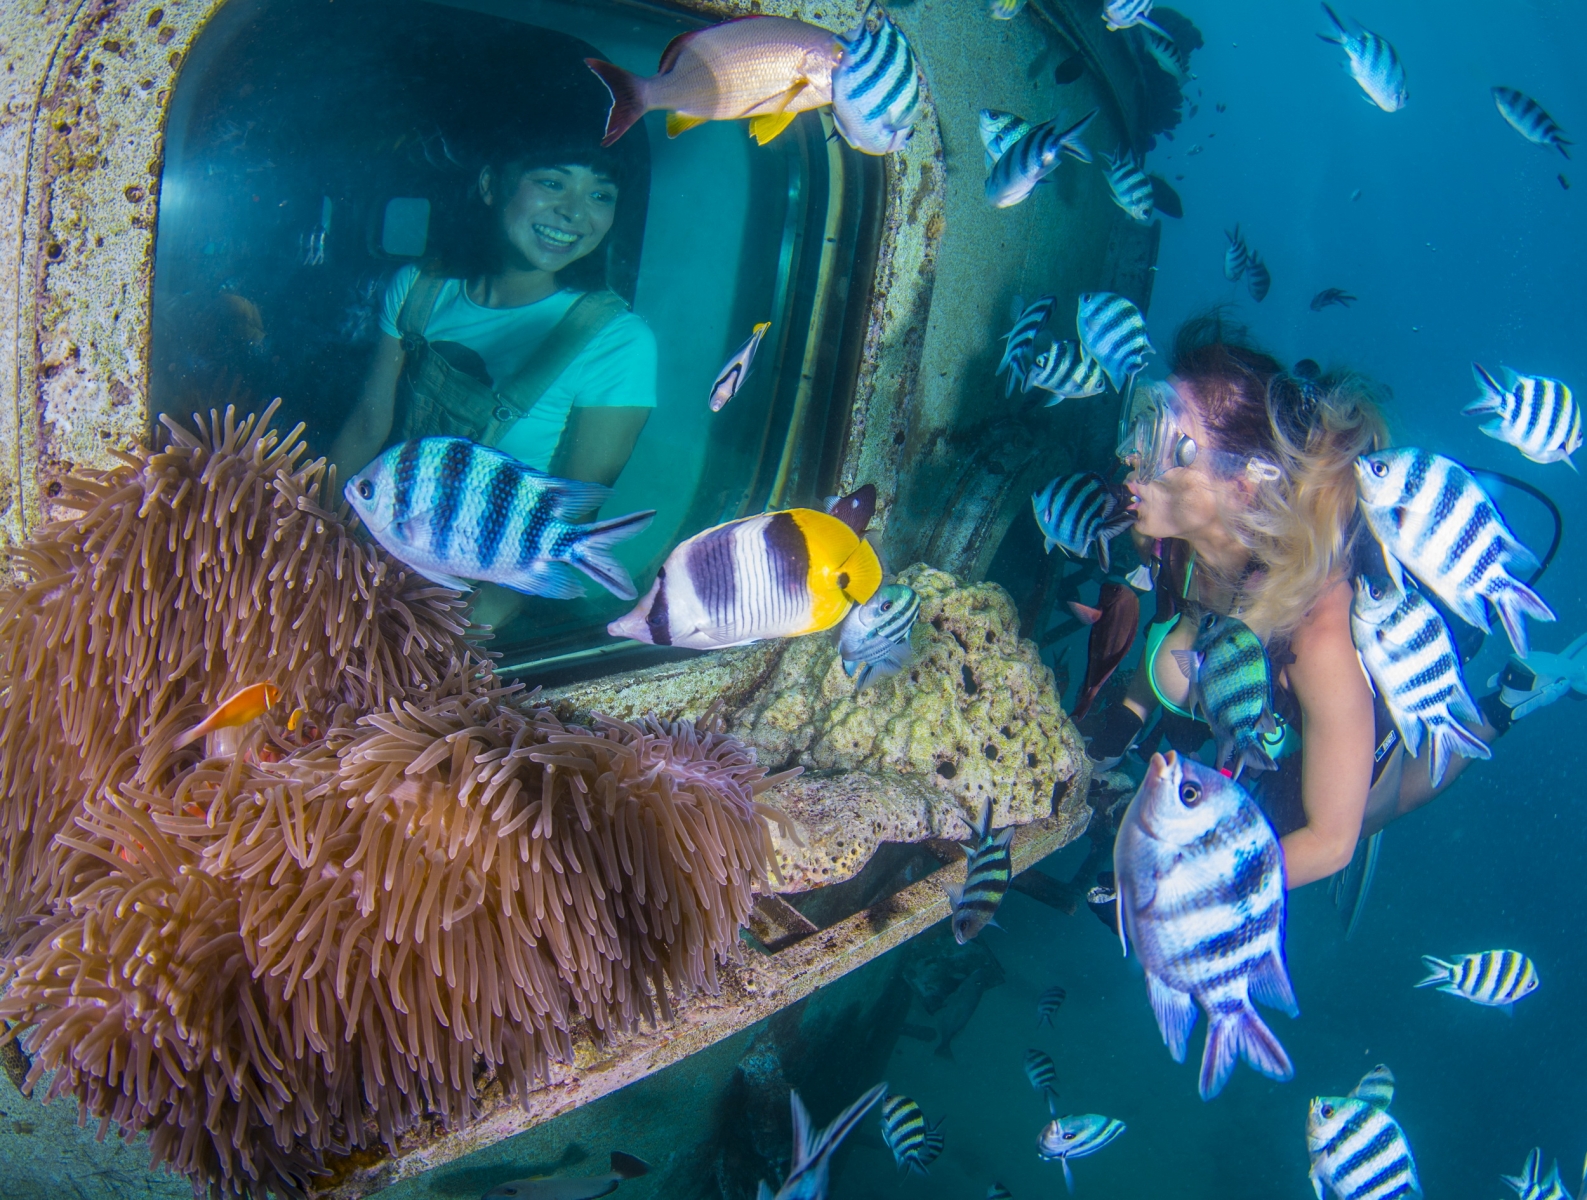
(238, 709)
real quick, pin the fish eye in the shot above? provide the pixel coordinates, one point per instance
(1380, 469)
(886, 606)
(365, 489)
(1190, 794)
(1070, 1135)
(1374, 591)
(1327, 1110)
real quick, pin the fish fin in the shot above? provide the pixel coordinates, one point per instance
(765, 1193)
(1176, 1015)
(681, 123)
(1570, 462)
(1494, 429)
(1351, 886)
(1316, 1183)
(1492, 392)
(1442, 972)
(1447, 738)
(1507, 1009)
(592, 553)
(1144, 23)
(573, 500)
(856, 509)
(1240, 1034)
(768, 125)
(1270, 985)
(628, 98)
(451, 581)
(864, 570)
(803, 1135)
(628, 1166)
(1186, 661)
(955, 892)
(1047, 545)
(553, 580)
(1512, 604)
(1085, 612)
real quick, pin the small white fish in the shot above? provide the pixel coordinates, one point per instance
(1371, 61)
(1125, 14)
(1237, 257)
(1495, 978)
(877, 96)
(1132, 191)
(1528, 118)
(1533, 413)
(737, 368)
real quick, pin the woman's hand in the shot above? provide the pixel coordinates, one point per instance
(369, 424)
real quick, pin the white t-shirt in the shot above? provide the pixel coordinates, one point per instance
(617, 368)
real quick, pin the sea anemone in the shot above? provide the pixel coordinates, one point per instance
(283, 951)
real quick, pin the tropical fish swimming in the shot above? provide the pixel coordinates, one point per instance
(1236, 257)
(1126, 14)
(1528, 118)
(1075, 1137)
(1329, 296)
(999, 131)
(1028, 320)
(1257, 277)
(1048, 1003)
(765, 69)
(1371, 61)
(1004, 10)
(241, 707)
(813, 1149)
(1113, 331)
(732, 376)
(873, 642)
(779, 574)
(1532, 1184)
(1042, 1073)
(1075, 511)
(1201, 898)
(987, 870)
(454, 510)
(915, 1143)
(1132, 191)
(1066, 371)
(1231, 684)
(1495, 978)
(1113, 626)
(1358, 1151)
(1535, 414)
(876, 92)
(1027, 162)
(624, 1166)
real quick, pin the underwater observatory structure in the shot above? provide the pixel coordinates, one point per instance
(412, 912)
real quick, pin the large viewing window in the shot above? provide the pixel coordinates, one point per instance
(335, 167)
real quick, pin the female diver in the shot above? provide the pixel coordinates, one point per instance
(1245, 498)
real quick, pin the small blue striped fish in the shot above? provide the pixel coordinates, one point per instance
(1042, 1073)
(999, 131)
(1496, 978)
(1432, 518)
(813, 1148)
(1231, 683)
(1411, 657)
(915, 1145)
(1201, 898)
(1532, 1184)
(1132, 191)
(1358, 1151)
(454, 510)
(1125, 14)
(1075, 1137)
(1035, 156)
(877, 96)
(1535, 414)
(1018, 341)
(1236, 257)
(1075, 511)
(1048, 1003)
(1257, 277)
(1527, 117)
(1004, 10)
(1068, 372)
(873, 641)
(1371, 61)
(1113, 331)
(987, 870)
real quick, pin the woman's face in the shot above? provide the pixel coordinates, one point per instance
(555, 216)
(1183, 501)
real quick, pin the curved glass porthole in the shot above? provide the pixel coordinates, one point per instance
(330, 165)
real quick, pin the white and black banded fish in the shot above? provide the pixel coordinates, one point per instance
(873, 641)
(1237, 257)
(454, 510)
(1017, 342)
(732, 375)
(1035, 156)
(1201, 898)
(877, 96)
(1430, 516)
(1042, 1073)
(1371, 61)
(1257, 277)
(1126, 14)
(1535, 414)
(999, 131)
(1231, 685)
(987, 869)
(780, 574)
(1132, 191)
(813, 1149)
(914, 1143)
(1075, 1137)
(1532, 1184)
(1068, 372)
(1495, 978)
(1113, 331)
(1168, 54)
(1048, 1003)
(1358, 1151)
(1075, 511)
(1528, 118)
(1411, 658)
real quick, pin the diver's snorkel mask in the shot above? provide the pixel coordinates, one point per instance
(1153, 441)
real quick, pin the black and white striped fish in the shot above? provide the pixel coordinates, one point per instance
(1358, 1151)
(1043, 1074)
(1017, 342)
(1527, 117)
(454, 510)
(1035, 156)
(1125, 14)
(1074, 511)
(1257, 278)
(1371, 61)
(914, 1143)
(1432, 518)
(877, 96)
(813, 1148)
(1535, 414)
(1075, 1137)
(731, 378)
(987, 870)
(1201, 898)
(1496, 978)
(1132, 191)
(873, 641)
(1532, 1184)
(1169, 55)
(1411, 658)
(1231, 685)
(1237, 257)
(999, 131)
(1048, 1003)
(1068, 372)
(1113, 331)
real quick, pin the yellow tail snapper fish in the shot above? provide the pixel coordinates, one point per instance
(765, 69)
(736, 371)
(779, 574)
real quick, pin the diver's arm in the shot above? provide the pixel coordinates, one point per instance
(1336, 740)
(596, 443)
(369, 424)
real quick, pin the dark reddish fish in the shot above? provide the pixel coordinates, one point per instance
(1113, 623)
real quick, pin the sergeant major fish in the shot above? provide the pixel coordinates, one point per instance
(1432, 518)
(1528, 118)
(1113, 331)
(779, 574)
(999, 131)
(1017, 342)
(1371, 61)
(1043, 1075)
(1126, 14)
(454, 510)
(1495, 978)
(1532, 1184)
(1068, 372)
(874, 638)
(624, 1166)
(1237, 257)
(877, 96)
(1132, 191)
(813, 1149)
(914, 1143)
(987, 870)
(1535, 414)
(1075, 511)
(1075, 1137)
(1258, 280)
(1035, 156)
(732, 375)
(1329, 296)
(1048, 1003)
(1358, 1151)
(1201, 898)
(1231, 683)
